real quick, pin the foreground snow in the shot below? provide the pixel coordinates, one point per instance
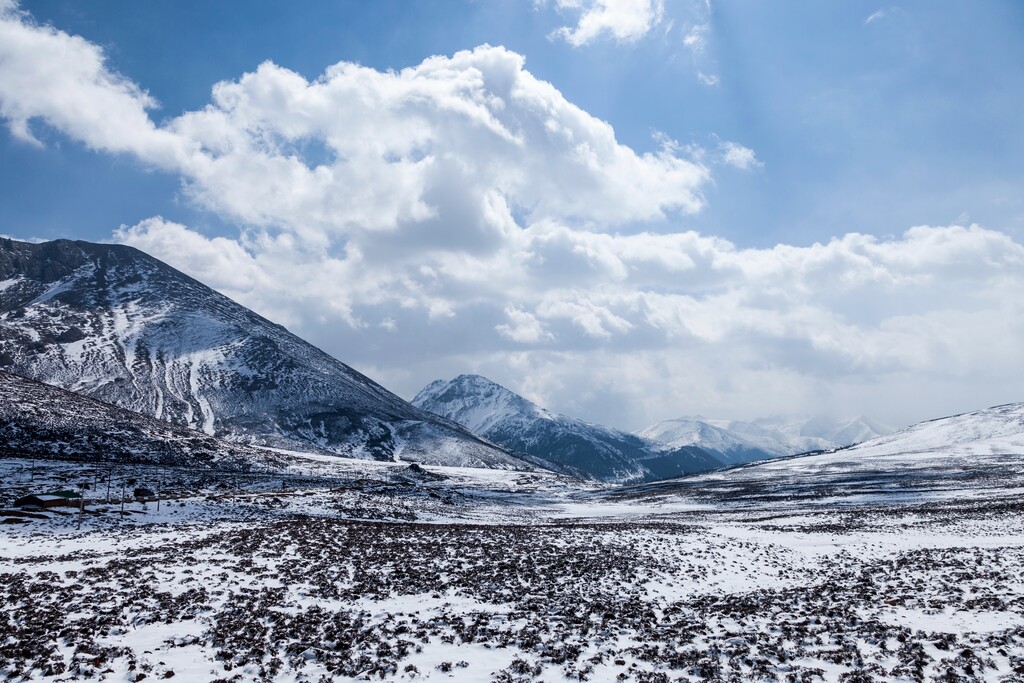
(374, 571)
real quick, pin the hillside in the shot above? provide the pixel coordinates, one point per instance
(112, 323)
(41, 421)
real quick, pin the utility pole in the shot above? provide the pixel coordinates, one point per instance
(122, 500)
(81, 509)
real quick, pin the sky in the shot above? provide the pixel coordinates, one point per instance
(625, 210)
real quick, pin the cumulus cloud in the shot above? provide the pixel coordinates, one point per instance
(456, 146)
(625, 21)
(224, 261)
(458, 149)
(522, 327)
(793, 326)
(462, 215)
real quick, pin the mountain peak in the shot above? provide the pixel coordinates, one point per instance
(475, 402)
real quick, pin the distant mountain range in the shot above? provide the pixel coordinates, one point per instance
(919, 464)
(663, 450)
(111, 323)
(778, 435)
(590, 450)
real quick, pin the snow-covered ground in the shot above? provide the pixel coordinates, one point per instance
(346, 570)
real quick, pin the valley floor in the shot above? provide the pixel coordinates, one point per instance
(386, 573)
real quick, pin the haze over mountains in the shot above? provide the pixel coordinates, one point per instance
(113, 323)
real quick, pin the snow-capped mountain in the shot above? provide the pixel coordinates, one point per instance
(492, 411)
(768, 437)
(43, 421)
(115, 324)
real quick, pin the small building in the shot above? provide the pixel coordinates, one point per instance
(49, 500)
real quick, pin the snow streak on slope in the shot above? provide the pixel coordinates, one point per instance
(42, 421)
(492, 411)
(115, 324)
(768, 437)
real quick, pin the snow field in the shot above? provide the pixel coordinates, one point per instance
(469, 575)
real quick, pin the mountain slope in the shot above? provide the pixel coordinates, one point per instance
(39, 420)
(993, 431)
(114, 324)
(492, 411)
(768, 437)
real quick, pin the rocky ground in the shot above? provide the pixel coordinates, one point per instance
(390, 573)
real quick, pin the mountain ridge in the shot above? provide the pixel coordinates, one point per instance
(771, 436)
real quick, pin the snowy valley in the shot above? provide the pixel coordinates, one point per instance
(893, 562)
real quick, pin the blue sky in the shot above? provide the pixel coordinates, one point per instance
(789, 124)
(912, 118)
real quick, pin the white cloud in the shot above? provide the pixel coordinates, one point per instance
(736, 155)
(793, 327)
(458, 149)
(455, 146)
(64, 80)
(625, 21)
(696, 39)
(224, 261)
(875, 16)
(462, 215)
(697, 36)
(522, 327)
